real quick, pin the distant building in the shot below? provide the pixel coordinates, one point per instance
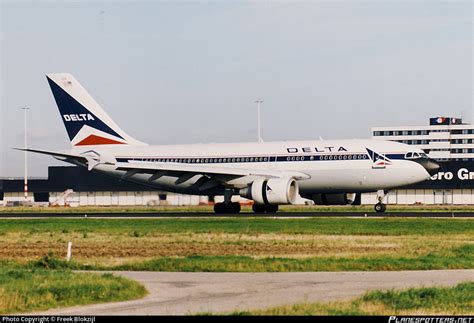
(88, 189)
(444, 139)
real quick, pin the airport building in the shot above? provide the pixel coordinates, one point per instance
(444, 139)
(448, 140)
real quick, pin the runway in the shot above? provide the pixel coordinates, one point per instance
(242, 215)
(178, 293)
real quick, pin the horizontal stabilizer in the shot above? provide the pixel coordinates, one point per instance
(52, 153)
(90, 161)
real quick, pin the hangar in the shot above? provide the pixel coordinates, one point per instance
(75, 186)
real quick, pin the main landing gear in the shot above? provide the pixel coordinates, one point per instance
(265, 208)
(380, 207)
(227, 207)
(234, 208)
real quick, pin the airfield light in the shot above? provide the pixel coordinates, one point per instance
(259, 101)
(25, 186)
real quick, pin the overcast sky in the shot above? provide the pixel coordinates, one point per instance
(188, 72)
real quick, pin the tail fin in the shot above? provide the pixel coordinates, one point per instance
(86, 122)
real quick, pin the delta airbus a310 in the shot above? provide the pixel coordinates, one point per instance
(328, 172)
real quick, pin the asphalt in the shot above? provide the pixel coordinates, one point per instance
(178, 293)
(459, 214)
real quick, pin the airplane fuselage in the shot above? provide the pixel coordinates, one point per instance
(331, 165)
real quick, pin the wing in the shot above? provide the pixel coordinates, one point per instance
(222, 175)
(212, 176)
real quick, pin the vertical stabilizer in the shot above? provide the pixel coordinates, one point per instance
(86, 122)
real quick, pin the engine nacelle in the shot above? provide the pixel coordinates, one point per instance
(334, 199)
(273, 191)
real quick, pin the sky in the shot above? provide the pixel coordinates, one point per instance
(189, 72)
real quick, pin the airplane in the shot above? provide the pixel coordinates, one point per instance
(327, 172)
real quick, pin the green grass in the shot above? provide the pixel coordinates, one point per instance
(464, 259)
(459, 258)
(333, 226)
(209, 208)
(441, 243)
(457, 300)
(460, 297)
(39, 288)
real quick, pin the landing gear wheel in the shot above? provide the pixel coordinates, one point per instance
(235, 206)
(258, 208)
(219, 208)
(272, 208)
(263, 208)
(227, 208)
(380, 207)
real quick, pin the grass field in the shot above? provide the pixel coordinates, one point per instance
(35, 276)
(209, 208)
(39, 288)
(243, 244)
(458, 300)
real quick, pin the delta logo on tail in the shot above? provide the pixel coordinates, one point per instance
(379, 160)
(80, 121)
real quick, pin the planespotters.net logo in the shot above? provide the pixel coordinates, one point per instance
(447, 319)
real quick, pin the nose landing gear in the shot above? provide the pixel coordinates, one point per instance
(380, 207)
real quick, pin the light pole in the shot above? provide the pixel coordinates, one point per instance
(25, 187)
(259, 101)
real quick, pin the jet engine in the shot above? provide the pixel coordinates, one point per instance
(272, 191)
(335, 198)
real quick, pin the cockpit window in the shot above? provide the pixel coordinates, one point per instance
(413, 155)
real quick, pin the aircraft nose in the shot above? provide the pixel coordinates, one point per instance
(430, 165)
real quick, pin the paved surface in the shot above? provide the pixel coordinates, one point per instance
(187, 293)
(458, 214)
